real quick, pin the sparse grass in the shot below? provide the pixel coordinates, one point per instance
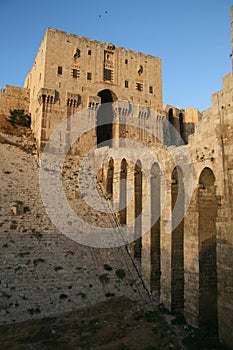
(104, 278)
(34, 311)
(155, 330)
(120, 273)
(38, 261)
(4, 294)
(82, 295)
(63, 296)
(23, 254)
(179, 319)
(58, 268)
(107, 267)
(36, 234)
(150, 316)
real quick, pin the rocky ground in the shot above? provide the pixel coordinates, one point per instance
(109, 307)
(118, 324)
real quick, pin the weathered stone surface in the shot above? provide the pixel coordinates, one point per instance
(14, 97)
(187, 263)
(42, 271)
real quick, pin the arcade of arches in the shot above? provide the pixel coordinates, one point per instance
(162, 257)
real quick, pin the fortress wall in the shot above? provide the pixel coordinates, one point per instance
(42, 271)
(14, 97)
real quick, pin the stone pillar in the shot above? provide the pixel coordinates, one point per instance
(191, 264)
(146, 230)
(166, 248)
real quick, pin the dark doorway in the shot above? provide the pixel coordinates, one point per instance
(104, 123)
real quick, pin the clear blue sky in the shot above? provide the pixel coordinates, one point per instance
(192, 37)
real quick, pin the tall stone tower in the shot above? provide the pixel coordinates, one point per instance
(71, 73)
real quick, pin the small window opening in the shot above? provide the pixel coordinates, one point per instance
(139, 86)
(126, 61)
(75, 73)
(151, 89)
(89, 52)
(59, 70)
(108, 75)
(89, 76)
(126, 83)
(77, 53)
(140, 69)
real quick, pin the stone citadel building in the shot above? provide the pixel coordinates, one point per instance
(185, 254)
(71, 73)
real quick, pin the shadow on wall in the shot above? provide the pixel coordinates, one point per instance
(175, 130)
(206, 283)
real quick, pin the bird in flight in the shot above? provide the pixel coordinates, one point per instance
(105, 12)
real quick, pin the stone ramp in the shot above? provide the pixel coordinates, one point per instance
(43, 272)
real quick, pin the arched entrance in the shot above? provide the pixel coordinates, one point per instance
(104, 123)
(123, 192)
(155, 228)
(177, 256)
(207, 208)
(138, 210)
